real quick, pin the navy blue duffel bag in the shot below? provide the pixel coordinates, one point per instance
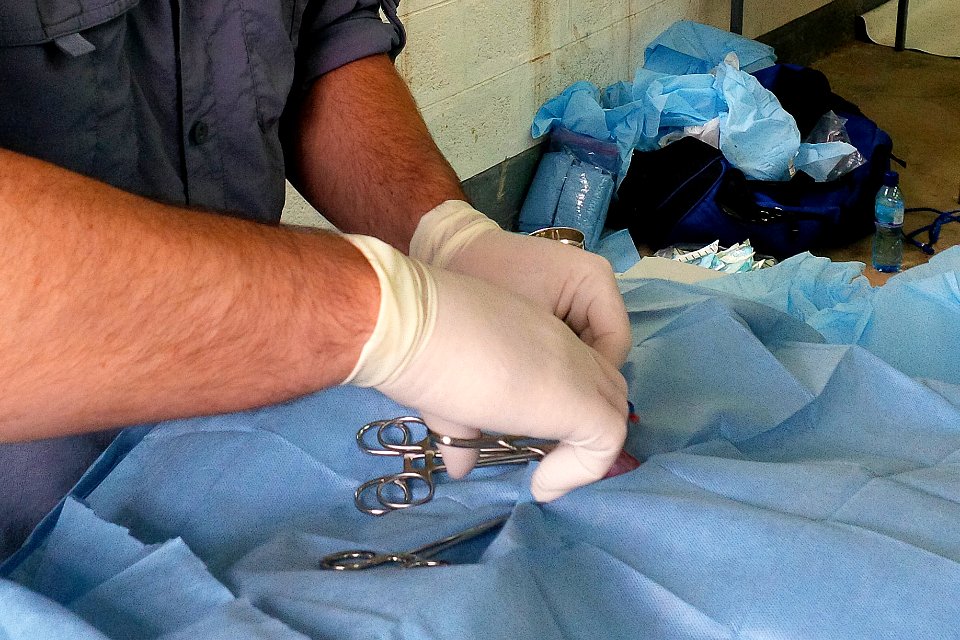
(687, 192)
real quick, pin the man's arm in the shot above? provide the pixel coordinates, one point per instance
(364, 156)
(119, 310)
(116, 309)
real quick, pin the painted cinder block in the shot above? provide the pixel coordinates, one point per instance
(762, 16)
(596, 15)
(481, 126)
(457, 45)
(479, 69)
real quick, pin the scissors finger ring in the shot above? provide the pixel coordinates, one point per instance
(355, 560)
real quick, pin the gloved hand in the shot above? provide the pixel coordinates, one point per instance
(469, 355)
(574, 285)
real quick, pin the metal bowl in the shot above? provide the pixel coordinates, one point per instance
(566, 235)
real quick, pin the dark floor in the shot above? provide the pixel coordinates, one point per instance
(915, 97)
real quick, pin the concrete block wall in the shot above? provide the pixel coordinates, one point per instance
(763, 16)
(479, 69)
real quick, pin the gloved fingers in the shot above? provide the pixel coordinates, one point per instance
(574, 285)
(615, 389)
(576, 463)
(606, 397)
(614, 345)
(603, 344)
(599, 316)
(458, 460)
(591, 435)
(580, 289)
(611, 384)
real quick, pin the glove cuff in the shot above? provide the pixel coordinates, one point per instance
(407, 315)
(445, 230)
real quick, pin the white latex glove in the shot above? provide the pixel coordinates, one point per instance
(574, 285)
(469, 355)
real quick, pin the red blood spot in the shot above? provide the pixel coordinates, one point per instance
(624, 463)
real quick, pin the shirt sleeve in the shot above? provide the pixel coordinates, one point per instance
(336, 32)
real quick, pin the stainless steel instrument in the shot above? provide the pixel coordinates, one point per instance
(410, 439)
(356, 560)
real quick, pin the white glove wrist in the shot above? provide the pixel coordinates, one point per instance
(406, 318)
(445, 230)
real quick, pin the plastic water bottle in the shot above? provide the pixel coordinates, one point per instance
(888, 240)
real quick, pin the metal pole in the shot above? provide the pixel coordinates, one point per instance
(901, 25)
(736, 16)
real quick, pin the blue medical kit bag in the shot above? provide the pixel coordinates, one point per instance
(687, 192)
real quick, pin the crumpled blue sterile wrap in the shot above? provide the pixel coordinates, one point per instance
(691, 47)
(756, 136)
(793, 486)
(679, 91)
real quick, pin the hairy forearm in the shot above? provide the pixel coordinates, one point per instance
(363, 154)
(116, 309)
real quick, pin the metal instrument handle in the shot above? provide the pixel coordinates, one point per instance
(492, 442)
(422, 458)
(403, 481)
(406, 445)
(386, 505)
(413, 474)
(362, 559)
(356, 560)
(388, 448)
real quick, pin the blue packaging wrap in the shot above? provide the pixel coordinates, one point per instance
(584, 200)
(573, 187)
(543, 196)
(691, 47)
(619, 250)
(757, 135)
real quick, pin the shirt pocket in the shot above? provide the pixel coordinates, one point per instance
(293, 10)
(271, 28)
(52, 75)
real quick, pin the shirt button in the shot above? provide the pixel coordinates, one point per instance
(199, 132)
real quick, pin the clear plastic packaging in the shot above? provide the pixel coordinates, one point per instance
(832, 128)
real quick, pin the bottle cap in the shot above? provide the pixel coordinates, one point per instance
(891, 179)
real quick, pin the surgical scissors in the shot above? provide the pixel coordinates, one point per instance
(415, 485)
(419, 557)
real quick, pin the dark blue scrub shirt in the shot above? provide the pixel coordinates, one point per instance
(181, 102)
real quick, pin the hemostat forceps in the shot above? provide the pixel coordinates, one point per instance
(410, 439)
(419, 557)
